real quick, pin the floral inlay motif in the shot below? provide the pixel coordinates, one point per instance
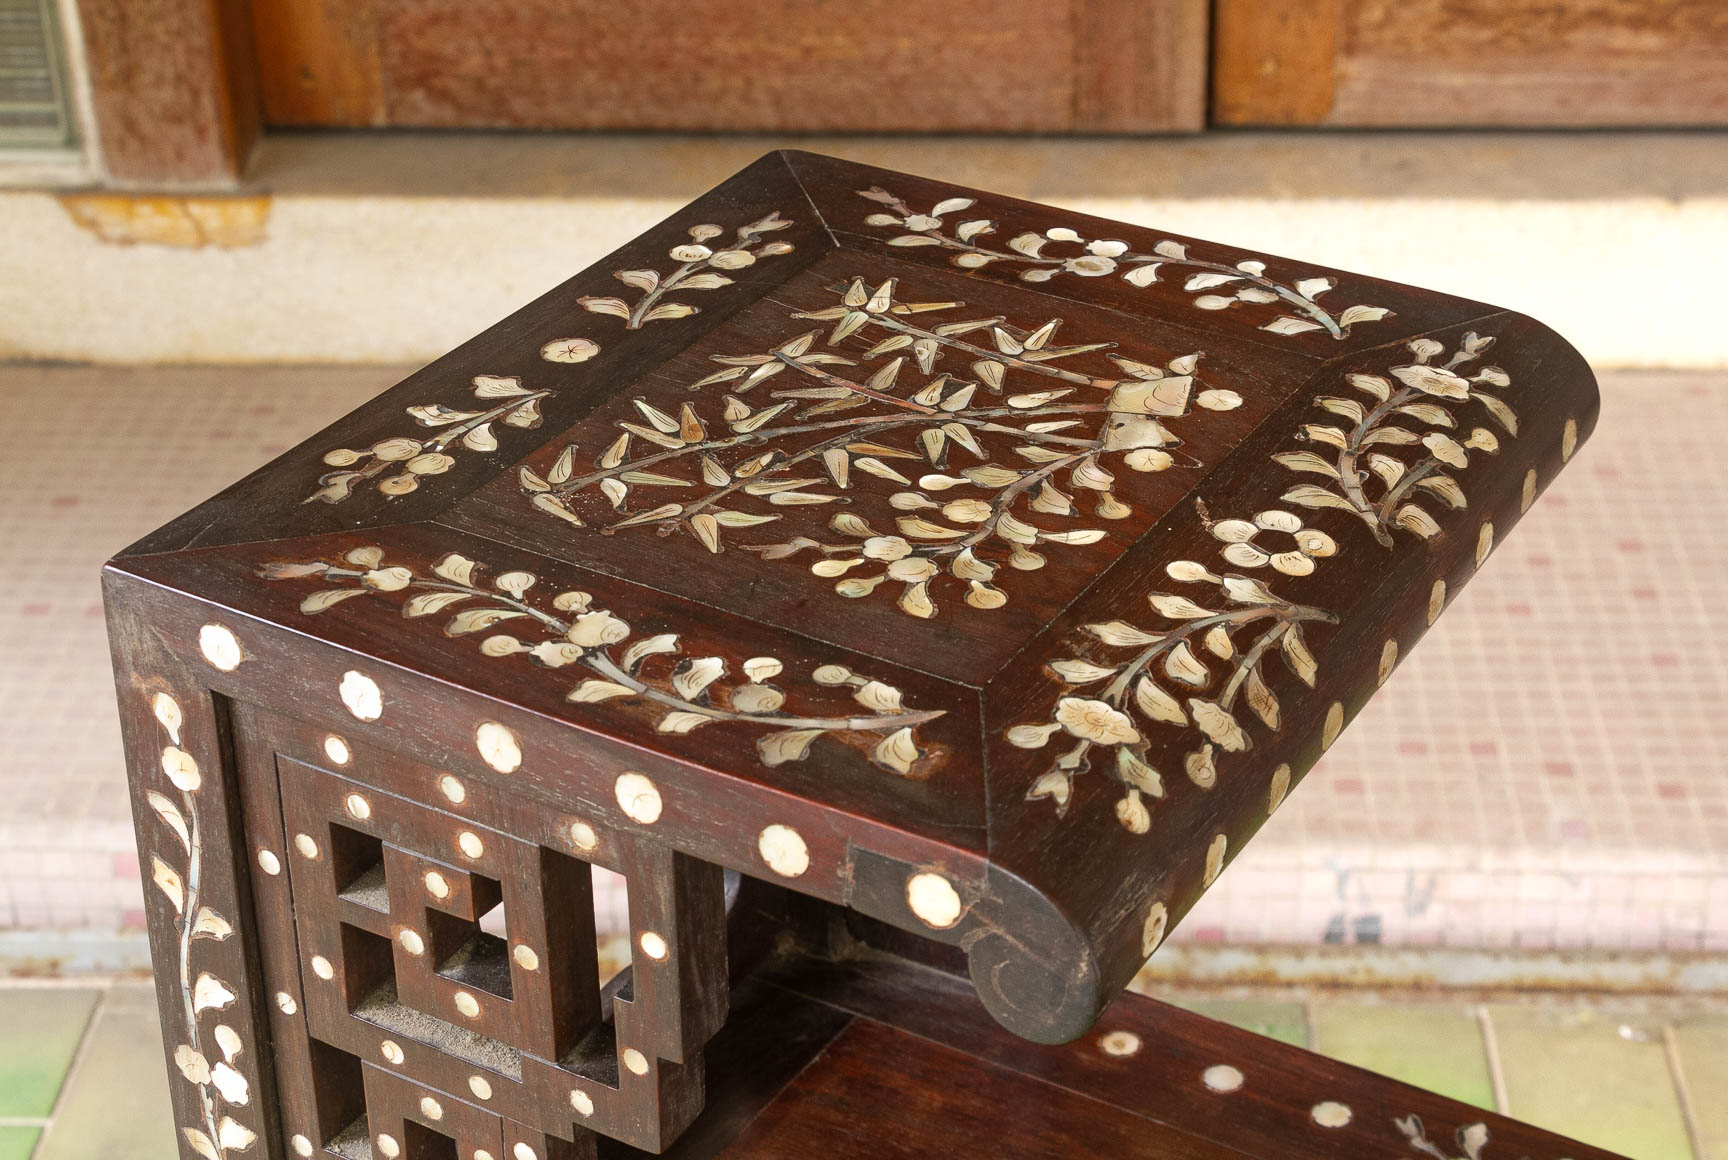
(403, 459)
(1366, 477)
(205, 1062)
(1216, 285)
(1197, 669)
(615, 662)
(698, 269)
(992, 466)
(1471, 1139)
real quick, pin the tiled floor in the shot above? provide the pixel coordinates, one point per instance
(82, 1077)
(1545, 772)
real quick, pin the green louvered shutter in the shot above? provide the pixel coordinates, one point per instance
(33, 111)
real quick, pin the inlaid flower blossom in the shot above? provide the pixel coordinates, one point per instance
(1247, 542)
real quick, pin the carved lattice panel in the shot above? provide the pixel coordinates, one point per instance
(456, 962)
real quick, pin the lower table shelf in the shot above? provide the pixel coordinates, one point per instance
(880, 1057)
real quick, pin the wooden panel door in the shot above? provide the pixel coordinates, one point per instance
(977, 65)
(1470, 62)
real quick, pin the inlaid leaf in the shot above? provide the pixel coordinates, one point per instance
(1182, 665)
(210, 993)
(1122, 634)
(171, 816)
(547, 502)
(211, 925)
(429, 602)
(1503, 414)
(741, 519)
(707, 530)
(330, 598)
(1288, 324)
(1079, 672)
(554, 654)
(754, 698)
(1218, 724)
(1134, 771)
(498, 387)
(228, 1040)
(456, 569)
(233, 1135)
(167, 879)
(614, 306)
(475, 619)
(669, 310)
(1445, 487)
(682, 721)
(696, 675)
(875, 695)
(591, 691)
(1306, 461)
(1261, 699)
(1314, 496)
(233, 1086)
(1218, 642)
(898, 751)
(664, 642)
(1413, 519)
(1157, 704)
(1297, 656)
(786, 745)
(1177, 607)
(201, 1144)
(1359, 313)
(1349, 408)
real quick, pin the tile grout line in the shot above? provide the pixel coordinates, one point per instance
(1496, 1068)
(1677, 1074)
(72, 1069)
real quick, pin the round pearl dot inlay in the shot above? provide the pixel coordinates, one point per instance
(322, 968)
(1119, 1043)
(220, 647)
(525, 957)
(269, 862)
(358, 807)
(302, 1146)
(480, 1087)
(638, 798)
(431, 1108)
(437, 885)
(635, 1061)
(467, 1004)
(362, 696)
(1221, 1077)
(388, 1146)
(784, 850)
(307, 847)
(933, 899)
(336, 750)
(523, 1152)
(391, 1052)
(583, 1105)
(470, 844)
(582, 836)
(412, 942)
(1331, 1114)
(452, 789)
(652, 945)
(285, 1003)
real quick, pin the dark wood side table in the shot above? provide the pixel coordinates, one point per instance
(917, 596)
